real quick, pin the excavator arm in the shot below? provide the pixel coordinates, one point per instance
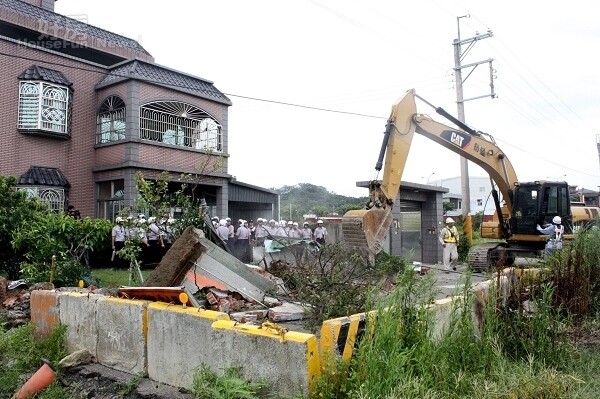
(365, 229)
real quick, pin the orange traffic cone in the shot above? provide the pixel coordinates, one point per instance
(38, 382)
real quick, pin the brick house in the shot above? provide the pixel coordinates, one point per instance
(84, 110)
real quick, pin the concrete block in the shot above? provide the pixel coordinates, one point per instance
(179, 341)
(340, 336)
(286, 312)
(111, 329)
(122, 334)
(287, 361)
(78, 312)
(44, 312)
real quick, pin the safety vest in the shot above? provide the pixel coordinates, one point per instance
(558, 233)
(450, 234)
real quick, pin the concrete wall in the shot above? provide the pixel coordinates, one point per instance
(169, 343)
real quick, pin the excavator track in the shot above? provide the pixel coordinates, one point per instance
(487, 257)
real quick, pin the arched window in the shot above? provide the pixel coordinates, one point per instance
(180, 124)
(111, 120)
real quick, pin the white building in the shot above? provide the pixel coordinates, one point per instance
(480, 192)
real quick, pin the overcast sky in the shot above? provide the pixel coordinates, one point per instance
(312, 81)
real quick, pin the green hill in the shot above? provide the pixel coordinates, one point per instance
(305, 198)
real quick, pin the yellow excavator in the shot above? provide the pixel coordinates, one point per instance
(520, 206)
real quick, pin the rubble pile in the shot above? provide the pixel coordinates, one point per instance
(14, 308)
(219, 281)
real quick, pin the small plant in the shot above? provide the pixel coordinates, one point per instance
(21, 351)
(131, 385)
(231, 385)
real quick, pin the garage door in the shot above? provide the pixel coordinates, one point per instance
(410, 229)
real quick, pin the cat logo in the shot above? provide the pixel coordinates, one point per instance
(456, 138)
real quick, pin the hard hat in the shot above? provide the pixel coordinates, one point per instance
(556, 220)
(319, 221)
(290, 222)
(130, 217)
(228, 219)
(141, 216)
(449, 220)
(305, 224)
(222, 222)
(119, 219)
(259, 220)
(272, 221)
(152, 219)
(215, 218)
(295, 224)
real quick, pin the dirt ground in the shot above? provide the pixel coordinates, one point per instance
(100, 382)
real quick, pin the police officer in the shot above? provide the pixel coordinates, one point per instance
(118, 241)
(320, 232)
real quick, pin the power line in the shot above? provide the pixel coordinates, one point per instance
(283, 103)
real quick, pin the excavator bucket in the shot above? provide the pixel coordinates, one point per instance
(365, 229)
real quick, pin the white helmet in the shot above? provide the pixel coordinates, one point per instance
(305, 224)
(272, 221)
(290, 222)
(119, 219)
(152, 219)
(449, 220)
(222, 222)
(295, 224)
(319, 221)
(556, 220)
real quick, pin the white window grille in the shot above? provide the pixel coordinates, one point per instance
(53, 197)
(180, 124)
(111, 120)
(43, 106)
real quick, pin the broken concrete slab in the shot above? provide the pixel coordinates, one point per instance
(286, 312)
(196, 263)
(77, 358)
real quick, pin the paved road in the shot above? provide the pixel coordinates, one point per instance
(448, 283)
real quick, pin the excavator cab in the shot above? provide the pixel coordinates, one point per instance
(537, 203)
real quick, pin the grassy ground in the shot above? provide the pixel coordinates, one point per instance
(112, 278)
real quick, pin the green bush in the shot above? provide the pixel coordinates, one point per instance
(16, 210)
(57, 246)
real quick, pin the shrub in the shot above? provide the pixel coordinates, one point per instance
(57, 246)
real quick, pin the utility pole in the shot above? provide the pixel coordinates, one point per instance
(460, 101)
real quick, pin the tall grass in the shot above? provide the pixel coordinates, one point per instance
(515, 354)
(21, 351)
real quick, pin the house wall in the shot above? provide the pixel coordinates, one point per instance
(74, 157)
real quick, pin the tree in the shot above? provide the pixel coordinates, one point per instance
(56, 246)
(448, 206)
(16, 209)
(305, 198)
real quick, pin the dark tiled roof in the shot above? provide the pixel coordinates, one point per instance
(36, 72)
(41, 176)
(72, 25)
(138, 69)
